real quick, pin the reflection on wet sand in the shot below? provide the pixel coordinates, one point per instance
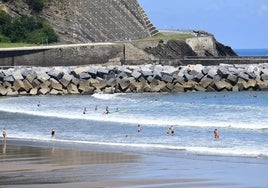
(4, 146)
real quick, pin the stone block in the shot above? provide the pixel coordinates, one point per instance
(212, 72)
(122, 75)
(1, 75)
(102, 71)
(72, 89)
(124, 69)
(147, 73)
(66, 79)
(220, 85)
(235, 88)
(36, 83)
(18, 85)
(205, 82)
(123, 84)
(262, 85)
(7, 72)
(30, 78)
(3, 91)
(109, 90)
(42, 76)
(33, 91)
(56, 74)
(178, 88)
(170, 70)
(241, 84)
(167, 78)
(223, 72)
(17, 76)
(8, 79)
(45, 84)
(27, 85)
(264, 74)
(199, 88)
(43, 91)
(84, 76)
(111, 82)
(232, 78)
(88, 90)
(92, 70)
(55, 92)
(136, 74)
(55, 84)
(244, 76)
(11, 92)
(75, 81)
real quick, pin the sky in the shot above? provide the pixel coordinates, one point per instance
(240, 24)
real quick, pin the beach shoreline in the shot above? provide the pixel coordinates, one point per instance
(27, 163)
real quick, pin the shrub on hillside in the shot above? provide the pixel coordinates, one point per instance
(4, 39)
(36, 5)
(26, 29)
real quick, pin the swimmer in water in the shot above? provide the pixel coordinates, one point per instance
(216, 134)
(85, 110)
(139, 128)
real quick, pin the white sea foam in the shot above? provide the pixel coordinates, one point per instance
(125, 116)
(105, 96)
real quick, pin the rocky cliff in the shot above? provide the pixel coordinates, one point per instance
(82, 21)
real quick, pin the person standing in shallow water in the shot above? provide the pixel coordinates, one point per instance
(4, 133)
(216, 134)
(139, 128)
(52, 132)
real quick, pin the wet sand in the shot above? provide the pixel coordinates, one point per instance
(30, 164)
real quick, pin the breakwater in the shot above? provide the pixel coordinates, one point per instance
(132, 78)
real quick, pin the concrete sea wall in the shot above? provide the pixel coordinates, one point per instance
(130, 79)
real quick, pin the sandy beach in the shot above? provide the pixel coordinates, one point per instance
(32, 164)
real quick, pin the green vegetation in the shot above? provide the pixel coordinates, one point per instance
(11, 45)
(25, 29)
(35, 5)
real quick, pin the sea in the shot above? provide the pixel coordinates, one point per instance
(252, 52)
(240, 117)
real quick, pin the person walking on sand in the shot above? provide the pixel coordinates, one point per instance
(4, 133)
(216, 134)
(52, 132)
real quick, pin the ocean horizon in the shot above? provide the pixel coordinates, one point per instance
(252, 52)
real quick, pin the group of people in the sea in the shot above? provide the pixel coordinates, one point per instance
(170, 130)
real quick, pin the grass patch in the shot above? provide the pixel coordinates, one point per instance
(14, 45)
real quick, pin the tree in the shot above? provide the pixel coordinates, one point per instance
(36, 5)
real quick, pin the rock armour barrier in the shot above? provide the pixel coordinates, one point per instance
(132, 79)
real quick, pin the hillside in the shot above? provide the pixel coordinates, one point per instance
(84, 21)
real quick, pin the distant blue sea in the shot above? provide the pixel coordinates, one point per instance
(252, 52)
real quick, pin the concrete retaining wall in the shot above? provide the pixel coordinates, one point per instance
(62, 55)
(132, 79)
